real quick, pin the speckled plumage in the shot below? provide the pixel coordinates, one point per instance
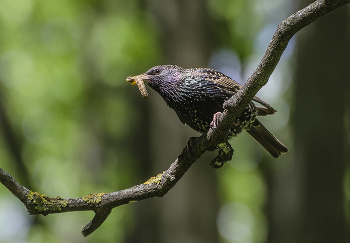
(196, 94)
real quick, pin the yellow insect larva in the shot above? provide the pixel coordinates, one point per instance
(140, 84)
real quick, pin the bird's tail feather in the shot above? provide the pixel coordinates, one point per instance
(274, 146)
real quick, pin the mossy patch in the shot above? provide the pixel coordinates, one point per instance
(93, 197)
(154, 179)
(45, 203)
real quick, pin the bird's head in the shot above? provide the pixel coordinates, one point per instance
(159, 77)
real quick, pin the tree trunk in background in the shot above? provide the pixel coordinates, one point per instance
(188, 212)
(307, 198)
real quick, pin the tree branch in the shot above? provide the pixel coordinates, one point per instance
(103, 203)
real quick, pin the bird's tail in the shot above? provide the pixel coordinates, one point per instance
(274, 146)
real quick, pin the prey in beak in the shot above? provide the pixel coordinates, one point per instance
(139, 80)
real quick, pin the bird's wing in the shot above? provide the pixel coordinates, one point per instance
(231, 85)
(221, 80)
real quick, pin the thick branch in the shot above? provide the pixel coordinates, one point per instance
(103, 203)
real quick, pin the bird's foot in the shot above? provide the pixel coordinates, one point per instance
(214, 123)
(216, 119)
(225, 154)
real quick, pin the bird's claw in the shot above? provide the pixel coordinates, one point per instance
(216, 119)
(214, 123)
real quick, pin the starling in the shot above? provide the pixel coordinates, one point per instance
(197, 96)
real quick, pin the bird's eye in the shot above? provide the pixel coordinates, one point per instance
(154, 71)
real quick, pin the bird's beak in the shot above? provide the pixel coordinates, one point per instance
(139, 80)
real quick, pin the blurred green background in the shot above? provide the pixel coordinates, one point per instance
(71, 125)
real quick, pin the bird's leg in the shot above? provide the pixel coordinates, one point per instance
(225, 154)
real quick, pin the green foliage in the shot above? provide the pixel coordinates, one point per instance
(63, 66)
(242, 21)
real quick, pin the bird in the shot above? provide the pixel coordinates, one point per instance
(197, 96)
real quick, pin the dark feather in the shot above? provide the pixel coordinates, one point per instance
(274, 146)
